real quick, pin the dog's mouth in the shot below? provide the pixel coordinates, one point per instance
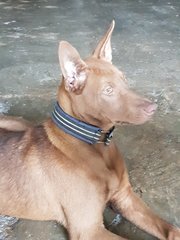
(135, 122)
(144, 116)
(122, 123)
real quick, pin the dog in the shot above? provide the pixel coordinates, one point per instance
(68, 168)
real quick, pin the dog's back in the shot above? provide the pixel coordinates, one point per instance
(14, 123)
(22, 177)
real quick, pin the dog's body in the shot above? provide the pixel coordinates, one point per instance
(46, 174)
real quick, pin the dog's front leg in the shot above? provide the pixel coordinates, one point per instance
(95, 233)
(136, 211)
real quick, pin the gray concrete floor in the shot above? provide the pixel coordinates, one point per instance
(146, 46)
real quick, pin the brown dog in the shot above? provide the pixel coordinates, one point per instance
(47, 173)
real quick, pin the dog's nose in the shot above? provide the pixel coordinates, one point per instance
(149, 107)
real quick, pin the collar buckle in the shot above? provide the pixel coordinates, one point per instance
(108, 136)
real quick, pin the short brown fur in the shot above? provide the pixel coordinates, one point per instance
(46, 174)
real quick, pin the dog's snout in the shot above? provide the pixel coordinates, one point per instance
(149, 107)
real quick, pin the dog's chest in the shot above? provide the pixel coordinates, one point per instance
(101, 178)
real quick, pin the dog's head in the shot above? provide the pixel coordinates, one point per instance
(98, 90)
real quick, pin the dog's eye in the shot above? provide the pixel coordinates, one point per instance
(108, 90)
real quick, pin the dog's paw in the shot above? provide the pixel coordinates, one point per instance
(174, 234)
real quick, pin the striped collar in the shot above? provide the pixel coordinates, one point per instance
(81, 130)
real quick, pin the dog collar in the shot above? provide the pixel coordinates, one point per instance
(81, 130)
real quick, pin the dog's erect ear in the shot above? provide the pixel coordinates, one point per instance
(73, 68)
(103, 50)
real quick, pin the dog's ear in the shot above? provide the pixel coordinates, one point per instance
(103, 50)
(73, 68)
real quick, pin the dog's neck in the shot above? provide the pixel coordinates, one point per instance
(67, 120)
